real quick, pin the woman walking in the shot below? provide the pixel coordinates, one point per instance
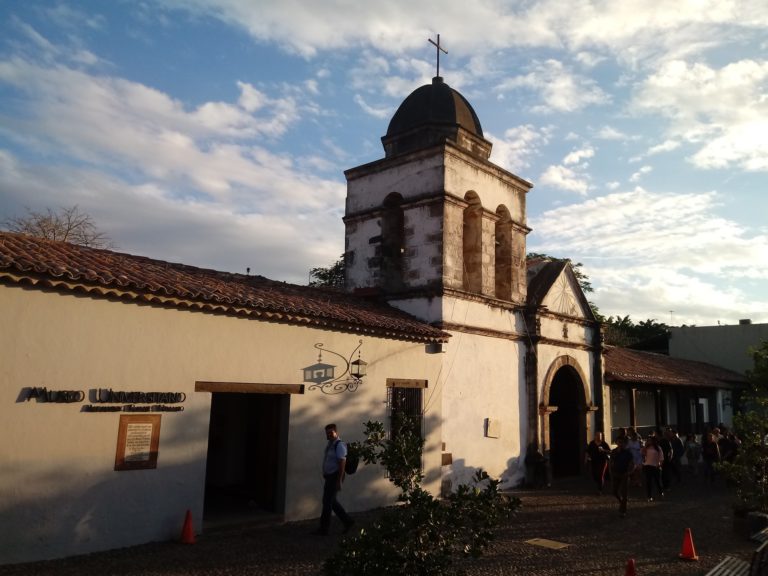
(710, 455)
(653, 458)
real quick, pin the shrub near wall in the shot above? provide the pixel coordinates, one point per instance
(422, 536)
(748, 473)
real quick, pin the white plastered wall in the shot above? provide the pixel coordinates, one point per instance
(483, 408)
(482, 378)
(59, 492)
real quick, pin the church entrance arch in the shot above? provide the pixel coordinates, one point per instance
(565, 420)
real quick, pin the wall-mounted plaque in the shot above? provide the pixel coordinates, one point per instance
(138, 439)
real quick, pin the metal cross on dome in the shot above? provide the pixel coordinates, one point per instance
(438, 49)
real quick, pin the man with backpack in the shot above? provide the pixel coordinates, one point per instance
(334, 470)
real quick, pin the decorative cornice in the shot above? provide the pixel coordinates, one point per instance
(565, 344)
(490, 333)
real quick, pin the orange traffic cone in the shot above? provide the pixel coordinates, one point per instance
(688, 552)
(188, 532)
(630, 568)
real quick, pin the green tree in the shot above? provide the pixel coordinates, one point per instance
(423, 536)
(65, 224)
(332, 276)
(748, 473)
(622, 331)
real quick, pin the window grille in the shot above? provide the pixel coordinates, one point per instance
(406, 403)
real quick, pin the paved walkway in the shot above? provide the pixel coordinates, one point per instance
(599, 541)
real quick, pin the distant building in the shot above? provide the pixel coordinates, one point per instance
(649, 391)
(725, 346)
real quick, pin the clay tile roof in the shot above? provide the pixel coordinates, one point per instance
(71, 268)
(638, 367)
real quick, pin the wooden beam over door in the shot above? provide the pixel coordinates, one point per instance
(405, 383)
(249, 387)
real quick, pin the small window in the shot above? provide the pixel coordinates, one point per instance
(405, 406)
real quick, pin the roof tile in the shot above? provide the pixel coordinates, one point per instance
(59, 265)
(649, 368)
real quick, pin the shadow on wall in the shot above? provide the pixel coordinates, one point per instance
(369, 487)
(61, 511)
(56, 511)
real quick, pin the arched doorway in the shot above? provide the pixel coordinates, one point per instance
(567, 432)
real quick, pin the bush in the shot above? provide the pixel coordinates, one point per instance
(748, 474)
(422, 536)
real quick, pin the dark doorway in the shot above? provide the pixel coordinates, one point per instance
(247, 443)
(566, 425)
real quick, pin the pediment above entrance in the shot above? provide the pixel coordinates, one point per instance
(553, 285)
(563, 298)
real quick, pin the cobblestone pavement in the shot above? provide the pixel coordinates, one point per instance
(599, 541)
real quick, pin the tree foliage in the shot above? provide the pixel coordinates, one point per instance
(583, 279)
(422, 536)
(65, 225)
(622, 331)
(332, 276)
(748, 473)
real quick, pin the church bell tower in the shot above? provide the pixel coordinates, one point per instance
(435, 218)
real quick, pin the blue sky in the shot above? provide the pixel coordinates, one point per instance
(216, 132)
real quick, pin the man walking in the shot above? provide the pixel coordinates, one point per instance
(334, 462)
(597, 456)
(622, 463)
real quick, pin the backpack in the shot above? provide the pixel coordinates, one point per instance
(353, 458)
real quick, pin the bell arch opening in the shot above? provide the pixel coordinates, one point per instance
(503, 253)
(473, 243)
(392, 242)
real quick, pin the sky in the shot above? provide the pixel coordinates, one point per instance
(216, 133)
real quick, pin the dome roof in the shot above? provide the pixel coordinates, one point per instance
(435, 103)
(431, 115)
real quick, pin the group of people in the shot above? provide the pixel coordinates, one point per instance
(656, 461)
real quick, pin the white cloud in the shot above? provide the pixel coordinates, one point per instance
(251, 99)
(571, 176)
(647, 253)
(666, 146)
(559, 88)
(148, 167)
(375, 112)
(643, 227)
(640, 173)
(564, 178)
(632, 30)
(610, 133)
(670, 296)
(589, 59)
(723, 111)
(515, 149)
(577, 156)
(148, 131)
(154, 220)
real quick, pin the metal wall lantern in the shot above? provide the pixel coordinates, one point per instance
(323, 375)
